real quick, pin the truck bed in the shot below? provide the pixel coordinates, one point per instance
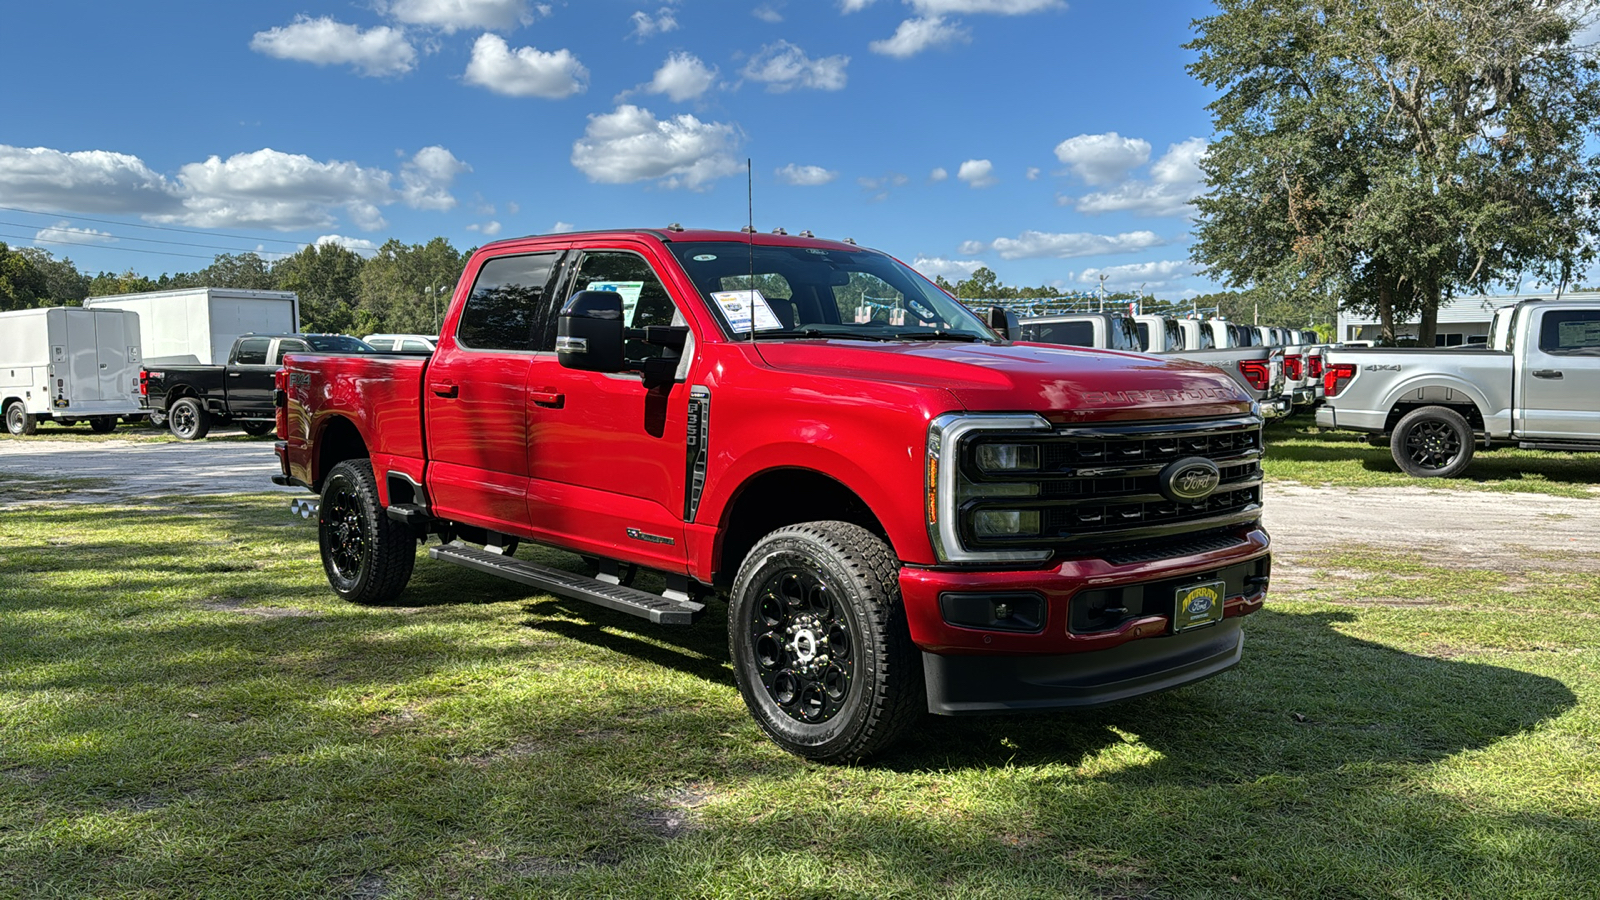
(380, 394)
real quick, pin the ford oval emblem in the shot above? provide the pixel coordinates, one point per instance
(1189, 480)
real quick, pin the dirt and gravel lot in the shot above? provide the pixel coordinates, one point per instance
(1454, 527)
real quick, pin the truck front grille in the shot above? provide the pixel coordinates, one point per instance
(1100, 486)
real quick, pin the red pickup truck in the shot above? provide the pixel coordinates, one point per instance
(904, 510)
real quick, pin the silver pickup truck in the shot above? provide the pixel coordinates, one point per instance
(1537, 385)
(1259, 370)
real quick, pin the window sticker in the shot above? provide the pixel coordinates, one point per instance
(736, 306)
(630, 291)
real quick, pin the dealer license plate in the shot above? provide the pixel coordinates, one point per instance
(1197, 605)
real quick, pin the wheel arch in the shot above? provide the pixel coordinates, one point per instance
(336, 439)
(778, 497)
(1451, 393)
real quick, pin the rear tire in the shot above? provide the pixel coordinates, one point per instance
(819, 642)
(188, 420)
(19, 421)
(1432, 442)
(258, 429)
(367, 557)
(102, 424)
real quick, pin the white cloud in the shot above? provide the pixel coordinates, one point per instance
(994, 7)
(850, 6)
(916, 35)
(682, 77)
(512, 208)
(629, 144)
(376, 51)
(1043, 245)
(525, 72)
(1103, 158)
(805, 175)
(1153, 275)
(766, 12)
(978, 173)
(63, 232)
(647, 26)
(280, 190)
(487, 229)
(1176, 178)
(451, 16)
(938, 174)
(354, 245)
(425, 180)
(83, 181)
(562, 228)
(953, 269)
(783, 67)
(1033, 173)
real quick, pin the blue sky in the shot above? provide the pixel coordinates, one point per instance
(1050, 141)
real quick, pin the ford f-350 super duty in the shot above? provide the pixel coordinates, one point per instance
(904, 510)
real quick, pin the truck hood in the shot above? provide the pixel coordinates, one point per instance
(1065, 384)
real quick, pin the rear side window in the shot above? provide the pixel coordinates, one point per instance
(287, 347)
(252, 352)
(1072, 334)
(1572, 332)
(414, 346)
(506, 301)
(381, 343)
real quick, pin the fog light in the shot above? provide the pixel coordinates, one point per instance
(1005, 522)
(1008, 457)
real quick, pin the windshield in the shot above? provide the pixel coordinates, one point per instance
(815, 292)
(336, 344)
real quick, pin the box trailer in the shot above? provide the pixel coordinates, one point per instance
(197, 326)
(68, 364)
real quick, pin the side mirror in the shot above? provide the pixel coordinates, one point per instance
(589, 332)
(1005, 322)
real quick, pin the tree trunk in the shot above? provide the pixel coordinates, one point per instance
(1429, 324)
(1386, 312)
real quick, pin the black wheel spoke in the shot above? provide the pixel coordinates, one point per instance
(803, 646)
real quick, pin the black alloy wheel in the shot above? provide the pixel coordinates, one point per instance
(367, 557)
(188, 420)
(1432, 442)
(19, 421)
(819, 642)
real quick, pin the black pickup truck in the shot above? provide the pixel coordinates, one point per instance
(189, 397)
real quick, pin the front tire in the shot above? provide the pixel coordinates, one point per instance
(819, 642)
(367, 557)
(1432, 442)
(19, 421)
(188, 420)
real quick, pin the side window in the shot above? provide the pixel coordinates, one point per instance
(645, 300)
(1174, 335)
(414, 345)
(1124, 336)
(287, 347)
(252, 352)
(382, 344)
(505, 302)
(1071, 334)
(1572, 332)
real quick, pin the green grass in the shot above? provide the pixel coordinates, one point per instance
(187, 711)
(1299, 451)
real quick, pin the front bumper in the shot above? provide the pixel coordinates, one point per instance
(1069, 659)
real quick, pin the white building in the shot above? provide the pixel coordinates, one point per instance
(1464, 320)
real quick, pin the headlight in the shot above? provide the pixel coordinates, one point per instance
(948, 488)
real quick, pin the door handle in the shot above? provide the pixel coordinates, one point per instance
(1547, 373)
(444, 388)
(548, 399)
(233, 374)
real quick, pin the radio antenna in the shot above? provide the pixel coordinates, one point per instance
(750, 230)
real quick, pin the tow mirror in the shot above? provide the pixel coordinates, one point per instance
(589, 332)
(1005, 323)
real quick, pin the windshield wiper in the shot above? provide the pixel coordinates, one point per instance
(937, 336)
(812, 332)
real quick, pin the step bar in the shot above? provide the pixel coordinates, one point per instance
(676, 610)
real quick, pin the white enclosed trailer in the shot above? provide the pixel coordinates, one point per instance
(68, 363)
(197, 326)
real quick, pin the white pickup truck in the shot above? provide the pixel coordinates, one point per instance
(1537, 385)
